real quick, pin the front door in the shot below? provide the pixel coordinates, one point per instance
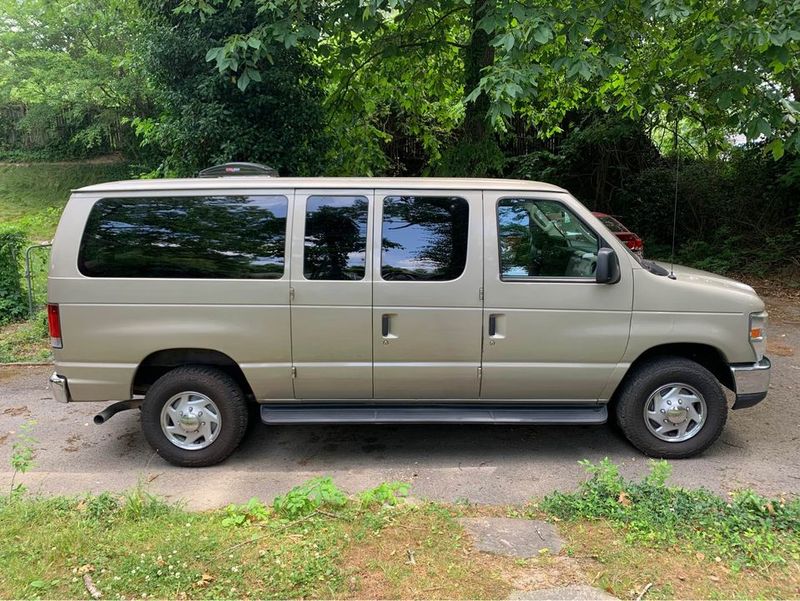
(426, 319)
(331, 309)
(551, 332)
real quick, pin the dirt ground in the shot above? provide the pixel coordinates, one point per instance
(485, 464)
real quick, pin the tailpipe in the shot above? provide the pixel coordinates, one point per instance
(111, 410)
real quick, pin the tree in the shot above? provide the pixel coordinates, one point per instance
(207, 119)
(730, 65)
(69, 76)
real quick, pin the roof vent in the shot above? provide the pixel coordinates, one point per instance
(233, 169)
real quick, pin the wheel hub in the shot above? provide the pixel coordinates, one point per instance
(191, 420)
(675, 412)
(677, 416)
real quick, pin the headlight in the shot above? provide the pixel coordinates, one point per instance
(758, 333)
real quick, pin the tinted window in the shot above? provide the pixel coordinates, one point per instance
(542, 238)
(336, 238)
(424, 237)
(185, 237)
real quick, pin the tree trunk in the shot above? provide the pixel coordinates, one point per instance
(479, 54)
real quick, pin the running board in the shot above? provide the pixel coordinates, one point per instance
(299, 413)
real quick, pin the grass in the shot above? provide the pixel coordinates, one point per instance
(139, 546)
(685, 543)
(26, 341)
(33, 194)
(317, 542)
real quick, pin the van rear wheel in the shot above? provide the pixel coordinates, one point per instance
(671, 407)
(194, 416)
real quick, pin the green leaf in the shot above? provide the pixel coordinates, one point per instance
(542, 34)
(243, 81)
(776, 148)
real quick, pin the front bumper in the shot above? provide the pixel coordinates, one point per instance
(59, 388)
(751, 381)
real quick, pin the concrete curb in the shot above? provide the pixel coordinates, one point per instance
(26, 364)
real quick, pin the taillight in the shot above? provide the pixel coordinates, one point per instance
(54, 325)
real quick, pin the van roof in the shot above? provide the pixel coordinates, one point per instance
(250, 182)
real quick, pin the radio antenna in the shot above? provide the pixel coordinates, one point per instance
(675, 205)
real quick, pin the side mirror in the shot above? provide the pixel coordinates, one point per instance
(607, 271)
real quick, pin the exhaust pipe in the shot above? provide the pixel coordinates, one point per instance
(111, 410)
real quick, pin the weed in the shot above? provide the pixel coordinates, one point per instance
(102, 506)
(25, 341)
(386, 493)
(308, 497)
(22, 455)
(750, 530)
(252, 511)
(140, 504)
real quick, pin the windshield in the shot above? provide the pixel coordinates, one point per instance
(612, 224)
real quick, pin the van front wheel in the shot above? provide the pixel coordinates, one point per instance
(672, 408)
(194, 416)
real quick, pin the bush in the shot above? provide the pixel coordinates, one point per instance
(12, 299)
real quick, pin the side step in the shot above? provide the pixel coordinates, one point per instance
(432, 414)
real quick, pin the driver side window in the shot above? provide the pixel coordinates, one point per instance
(543, 239)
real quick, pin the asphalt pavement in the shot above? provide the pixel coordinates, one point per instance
(482, 464)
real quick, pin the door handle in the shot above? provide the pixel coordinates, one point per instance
(497, 325)
(385, 325)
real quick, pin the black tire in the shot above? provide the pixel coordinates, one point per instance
(216, 385)
(647, 379)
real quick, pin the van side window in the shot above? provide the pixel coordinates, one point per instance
(543, 238)
(227, 237)
(424, 238)
(336, 238)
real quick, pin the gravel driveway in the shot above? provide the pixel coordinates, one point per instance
(485, 464)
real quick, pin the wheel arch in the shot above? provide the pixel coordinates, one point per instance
(708, 356)
(158, 363)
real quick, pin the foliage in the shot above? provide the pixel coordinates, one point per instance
(386, 493)
(26, 341)
(12, 299)
(725, 66)
(23, 452)
(239, 515)
(205, 117)
(306, 498)
(69, 76)
(749, 530)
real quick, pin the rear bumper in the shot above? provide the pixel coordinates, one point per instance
(752, 382)
(59, 388)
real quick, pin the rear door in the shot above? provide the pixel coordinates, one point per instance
(332, 294)
(426, 320)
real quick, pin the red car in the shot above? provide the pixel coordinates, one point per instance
(631, 240)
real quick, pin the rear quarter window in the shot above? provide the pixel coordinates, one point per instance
(220, 237)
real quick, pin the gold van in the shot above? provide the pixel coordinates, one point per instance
(385, 300)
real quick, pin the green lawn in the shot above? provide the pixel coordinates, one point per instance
(317, 542)
(33, 194)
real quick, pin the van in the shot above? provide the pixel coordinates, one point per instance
(205, 301)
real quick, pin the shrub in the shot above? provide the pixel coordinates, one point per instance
(12, 298)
